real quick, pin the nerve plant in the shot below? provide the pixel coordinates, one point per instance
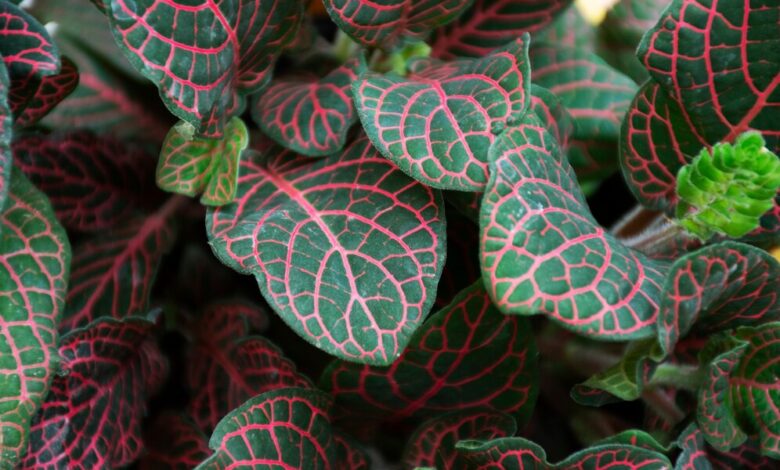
(408, 183)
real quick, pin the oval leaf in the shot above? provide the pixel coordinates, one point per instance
(346, 249)
(492, 23)
(489, 361)
(712, 59)
(225, 53)
(93, 182)
(34, 266)
(543, 252)
(438, 123)
(311, 118)
(285, 428)
(391, 22)
(716, 288)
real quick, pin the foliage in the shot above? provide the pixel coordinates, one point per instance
(389, 234)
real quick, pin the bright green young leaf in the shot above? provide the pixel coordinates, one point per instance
(34, 267)
(192, 165)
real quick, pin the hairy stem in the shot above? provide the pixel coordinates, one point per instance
(677, 376)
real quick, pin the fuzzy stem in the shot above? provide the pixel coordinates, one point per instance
(655, 239)
(677, 376)
(343, 46)
(636, 221)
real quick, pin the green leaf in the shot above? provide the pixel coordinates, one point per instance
(346, 249)
(753, 391)
(193, 165)
(433, 443)
(711, 57)
(715, 288)
(310, 117)
(438, 123)
(6, 157)
(466, 355)
(713, 412)
(286, 428)
(390, 23)
(34, 268)
(636, 438)
(693, 455)
(204, 58)
(727, 189)
(543, 252)
(626, 379)
(516, 453)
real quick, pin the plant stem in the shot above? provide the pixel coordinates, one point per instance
(663, 405)
(343, 46)
(636, 221)
(656, 239)
(677, 376)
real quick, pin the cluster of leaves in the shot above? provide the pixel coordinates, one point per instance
(410, 196)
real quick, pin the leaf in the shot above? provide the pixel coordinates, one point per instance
(542, 251)
(285, 428)
(346, 249)
(753, 391)
(493, 23)
(636, 438)
(6, 156)
(389, 24)
(744, 457)
(713, 413)
(46, 93)
(216, 53)
(516, 453)
(92, 418)
(718, 287)
(625, 380)
(310, 117)
(34, 269)
(466, 355)
(693, 455)
(569, 29)
(105, 100)
(191, 165)
(28, 52)
(174, 442)
(438, 123)
(93, 182)
(113, 273)
(622, 29)
(711, 58)
(553, 114)
(433, 443)
(595, 95)
(656, 141)
(227, 366)
(349, 454)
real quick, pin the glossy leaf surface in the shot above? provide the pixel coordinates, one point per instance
(209, 56)
(346, 249)
(285, 428)
(542, 251)
(34, 265)
(466, 355)
(45, 93)
(438, 123)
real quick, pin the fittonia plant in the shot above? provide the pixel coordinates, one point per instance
(400, 267)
